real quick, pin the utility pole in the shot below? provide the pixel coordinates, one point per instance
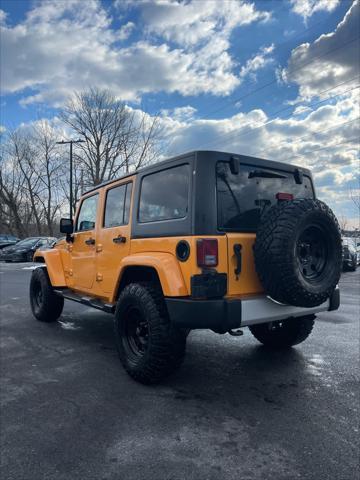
(63, 142)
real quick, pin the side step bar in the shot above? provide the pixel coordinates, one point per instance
(90, 302)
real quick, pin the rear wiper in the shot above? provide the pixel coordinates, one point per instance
(264, 174)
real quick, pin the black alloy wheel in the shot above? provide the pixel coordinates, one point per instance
(136, 336)
(312, 252)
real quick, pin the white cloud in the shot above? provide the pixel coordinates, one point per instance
(188, 23)
(306, 8)
(3, 16)
(61, 47)
(257, 62)
(126, 30)
(180, 113)
(331, 59)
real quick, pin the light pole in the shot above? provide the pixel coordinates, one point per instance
(63, 142)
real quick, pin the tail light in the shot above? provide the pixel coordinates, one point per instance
(284, 196)
(207, 252)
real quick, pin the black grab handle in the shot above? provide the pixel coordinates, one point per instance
(119, 239)
(237, 252)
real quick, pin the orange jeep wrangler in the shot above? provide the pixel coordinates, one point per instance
(206, 240)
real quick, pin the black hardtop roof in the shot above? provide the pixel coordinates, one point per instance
(261, 162)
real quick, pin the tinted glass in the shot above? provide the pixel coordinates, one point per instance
(117, 206)
(114, 209)
(164, 195)
(241, 200)
(87, 215)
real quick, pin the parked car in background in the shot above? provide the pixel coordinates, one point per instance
(51, 244)
(350, 259)
(8, 240)
(24, 250)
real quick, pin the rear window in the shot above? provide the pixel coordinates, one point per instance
(242, 198)
(164, 195)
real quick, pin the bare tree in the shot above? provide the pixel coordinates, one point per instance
(30, 172)
(19, 183)
(12, 199)
(116, 138)
(50, 169)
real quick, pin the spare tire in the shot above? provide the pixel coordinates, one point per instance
(298, 252)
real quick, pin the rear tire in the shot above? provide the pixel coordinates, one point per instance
(45, 304)
(284, 333)
(150, 348)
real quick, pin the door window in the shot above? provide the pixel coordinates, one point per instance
(87, 215)
(117, 207)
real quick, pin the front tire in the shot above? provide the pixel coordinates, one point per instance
(149, 347)
(284, 333)
(46, 306)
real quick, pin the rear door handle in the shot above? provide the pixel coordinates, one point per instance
(90, 241)
(119, 239)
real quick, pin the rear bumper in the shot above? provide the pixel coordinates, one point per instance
(222, 315)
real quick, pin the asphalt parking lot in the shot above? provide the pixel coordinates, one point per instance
(234, 411)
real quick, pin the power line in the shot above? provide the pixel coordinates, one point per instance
(261, 87)
(312, 104)
(230, 135)
(327, 146)
(309, 134)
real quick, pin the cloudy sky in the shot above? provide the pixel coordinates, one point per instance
(277, 79)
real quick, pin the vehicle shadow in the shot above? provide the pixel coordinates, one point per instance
(217, 368)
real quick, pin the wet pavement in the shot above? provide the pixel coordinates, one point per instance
(234, 411)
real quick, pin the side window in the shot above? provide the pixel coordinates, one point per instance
(87, 215)
(164, 195)
(117, 206)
